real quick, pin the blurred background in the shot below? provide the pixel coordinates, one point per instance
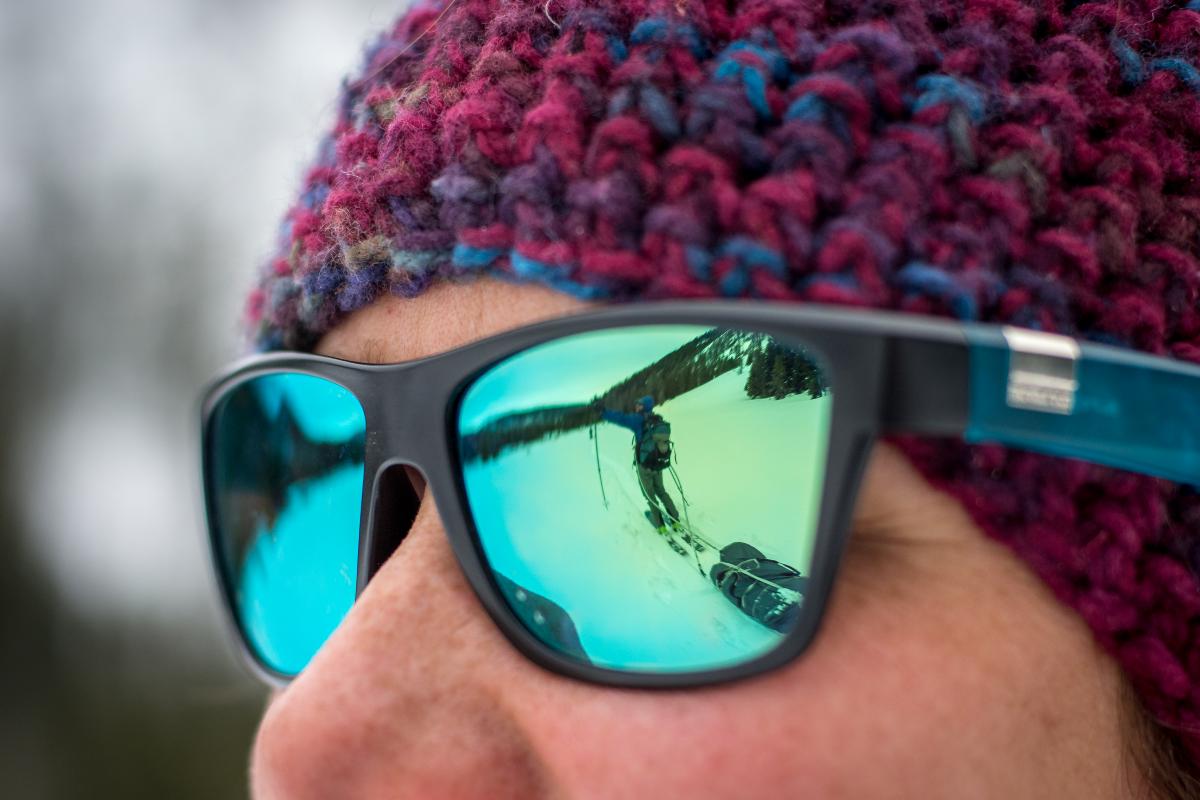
(147, 152)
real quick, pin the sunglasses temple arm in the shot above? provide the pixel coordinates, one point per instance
(925, 389)
(1053, 395)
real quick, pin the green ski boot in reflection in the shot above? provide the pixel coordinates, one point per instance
(665, 533)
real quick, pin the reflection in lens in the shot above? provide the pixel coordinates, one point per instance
(656, 487)
(286, 467)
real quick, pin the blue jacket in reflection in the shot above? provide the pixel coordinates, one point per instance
(636, 421)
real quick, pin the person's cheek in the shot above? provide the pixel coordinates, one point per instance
(848, 721)
(960, 675)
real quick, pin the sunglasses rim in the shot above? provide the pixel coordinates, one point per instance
(907, 373)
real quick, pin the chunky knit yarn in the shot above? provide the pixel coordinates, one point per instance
(1031, 163)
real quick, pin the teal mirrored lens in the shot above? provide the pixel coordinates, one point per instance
(647, 498)
(286, 472)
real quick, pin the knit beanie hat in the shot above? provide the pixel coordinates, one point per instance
(1036, 164)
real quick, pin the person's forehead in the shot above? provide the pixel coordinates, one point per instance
(445, 316)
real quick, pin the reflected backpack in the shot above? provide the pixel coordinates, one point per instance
(654, 445)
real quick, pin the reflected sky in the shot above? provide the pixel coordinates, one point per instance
(322, 409)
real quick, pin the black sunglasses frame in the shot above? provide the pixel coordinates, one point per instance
(890, 373)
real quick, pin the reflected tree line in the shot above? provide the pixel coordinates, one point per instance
(773, 370)
(780, 372)
(261, 456)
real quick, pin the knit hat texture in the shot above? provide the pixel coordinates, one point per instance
(1032, 163)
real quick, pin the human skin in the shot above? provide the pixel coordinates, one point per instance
(944, 668)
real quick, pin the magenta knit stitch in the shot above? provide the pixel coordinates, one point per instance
(1032, 163)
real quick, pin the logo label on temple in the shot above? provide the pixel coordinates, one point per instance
(1041, 371)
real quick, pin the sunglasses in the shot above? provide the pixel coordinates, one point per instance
(652, 495)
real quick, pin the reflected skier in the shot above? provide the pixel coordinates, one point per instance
(652, 455)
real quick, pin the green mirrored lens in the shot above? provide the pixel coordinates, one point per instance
(647, 498)
(286, 472)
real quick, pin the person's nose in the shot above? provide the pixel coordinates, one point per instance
(415, 695)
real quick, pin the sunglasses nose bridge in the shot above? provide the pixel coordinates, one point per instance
(407, 444)
(412, 425)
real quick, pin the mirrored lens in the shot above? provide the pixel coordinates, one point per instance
(647, 497)
(285, 468)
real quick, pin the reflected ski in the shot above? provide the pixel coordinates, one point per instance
(667, 537)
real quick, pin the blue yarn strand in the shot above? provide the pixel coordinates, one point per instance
(749, 255)
(755, 255)
(921, 278)
(662, 31)
(468, 257)
(751, 80)
(699, 262)
(1185, 72)
(937, 89)
(527, 267)
(812, 107)
(1133, 71)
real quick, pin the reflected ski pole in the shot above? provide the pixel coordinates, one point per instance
(689, 536)
(687, 518)
(599, 474)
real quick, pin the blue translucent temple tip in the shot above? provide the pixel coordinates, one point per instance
(1055, 395)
